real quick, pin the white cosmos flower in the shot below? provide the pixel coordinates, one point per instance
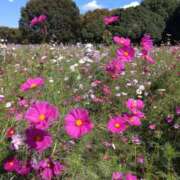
(139, 91)
(141, 87)
(17, 140)
(66, 78)
(118, 95)
(8, 104)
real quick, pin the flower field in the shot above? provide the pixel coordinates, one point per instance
(90, 112)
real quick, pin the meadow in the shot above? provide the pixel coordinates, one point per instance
(76, 76)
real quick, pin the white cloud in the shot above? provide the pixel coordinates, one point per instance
(11, 0)
(132, 4)
(92, 5)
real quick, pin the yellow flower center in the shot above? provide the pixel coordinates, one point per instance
(131, 119)
(33, 85)
(126, 54)
(42, 117)
(79, 122)
(37, 138)
(117, 125)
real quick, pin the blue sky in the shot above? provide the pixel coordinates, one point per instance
(10, 9)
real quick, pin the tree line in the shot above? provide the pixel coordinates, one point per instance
(159, 18)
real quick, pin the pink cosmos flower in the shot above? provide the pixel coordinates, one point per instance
(138, 113)
(38, 20)
(11, 164)
(32, 83)
(130, 176)
(140, 159)
(126, 54)
(178, 110)
(147, 57)
(152, 126)
(106, 90)
(117, 125)
(122, 41)
(78, 123)
(42, 114)
(136, 140)
(42, 18)
(132, 120)
(110, 19)
(115, 68)
(23, 102)
(49, 169)
(38, 139)
(117, 176)
(10, 132)
(23, 168)
(34, 21)
(147, 43)
(134, 105)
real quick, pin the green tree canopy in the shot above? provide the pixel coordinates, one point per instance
(63, 20)
(93, 26)
(173, 25)
(137, 21)
(165, 8)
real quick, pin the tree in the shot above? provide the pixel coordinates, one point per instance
(93, 26)
(165, 8)
(63, 20)
(173, 25)
(135, 22)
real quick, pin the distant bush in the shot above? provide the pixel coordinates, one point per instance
(12, 35)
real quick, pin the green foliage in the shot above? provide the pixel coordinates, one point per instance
(135, 22)
(173, 25)
(63, 20)
(93, 26)
(89, 158)
(12, 35)
(165, 8)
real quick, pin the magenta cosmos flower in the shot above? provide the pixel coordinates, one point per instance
(32, 83)
(11, 164)
(117, 176)
(147, 43)
(78, 123)
(147, 57)
(115, 68)
(134, 105)
(122, 41)
(110, 19)
(23, 168)
(48, 169)
(38, 139)
(38, 20)
(117, 125)
(42, 18)
(42, 114)
(126, 54)
(130, 176)
(34, 21)
(132, 120)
